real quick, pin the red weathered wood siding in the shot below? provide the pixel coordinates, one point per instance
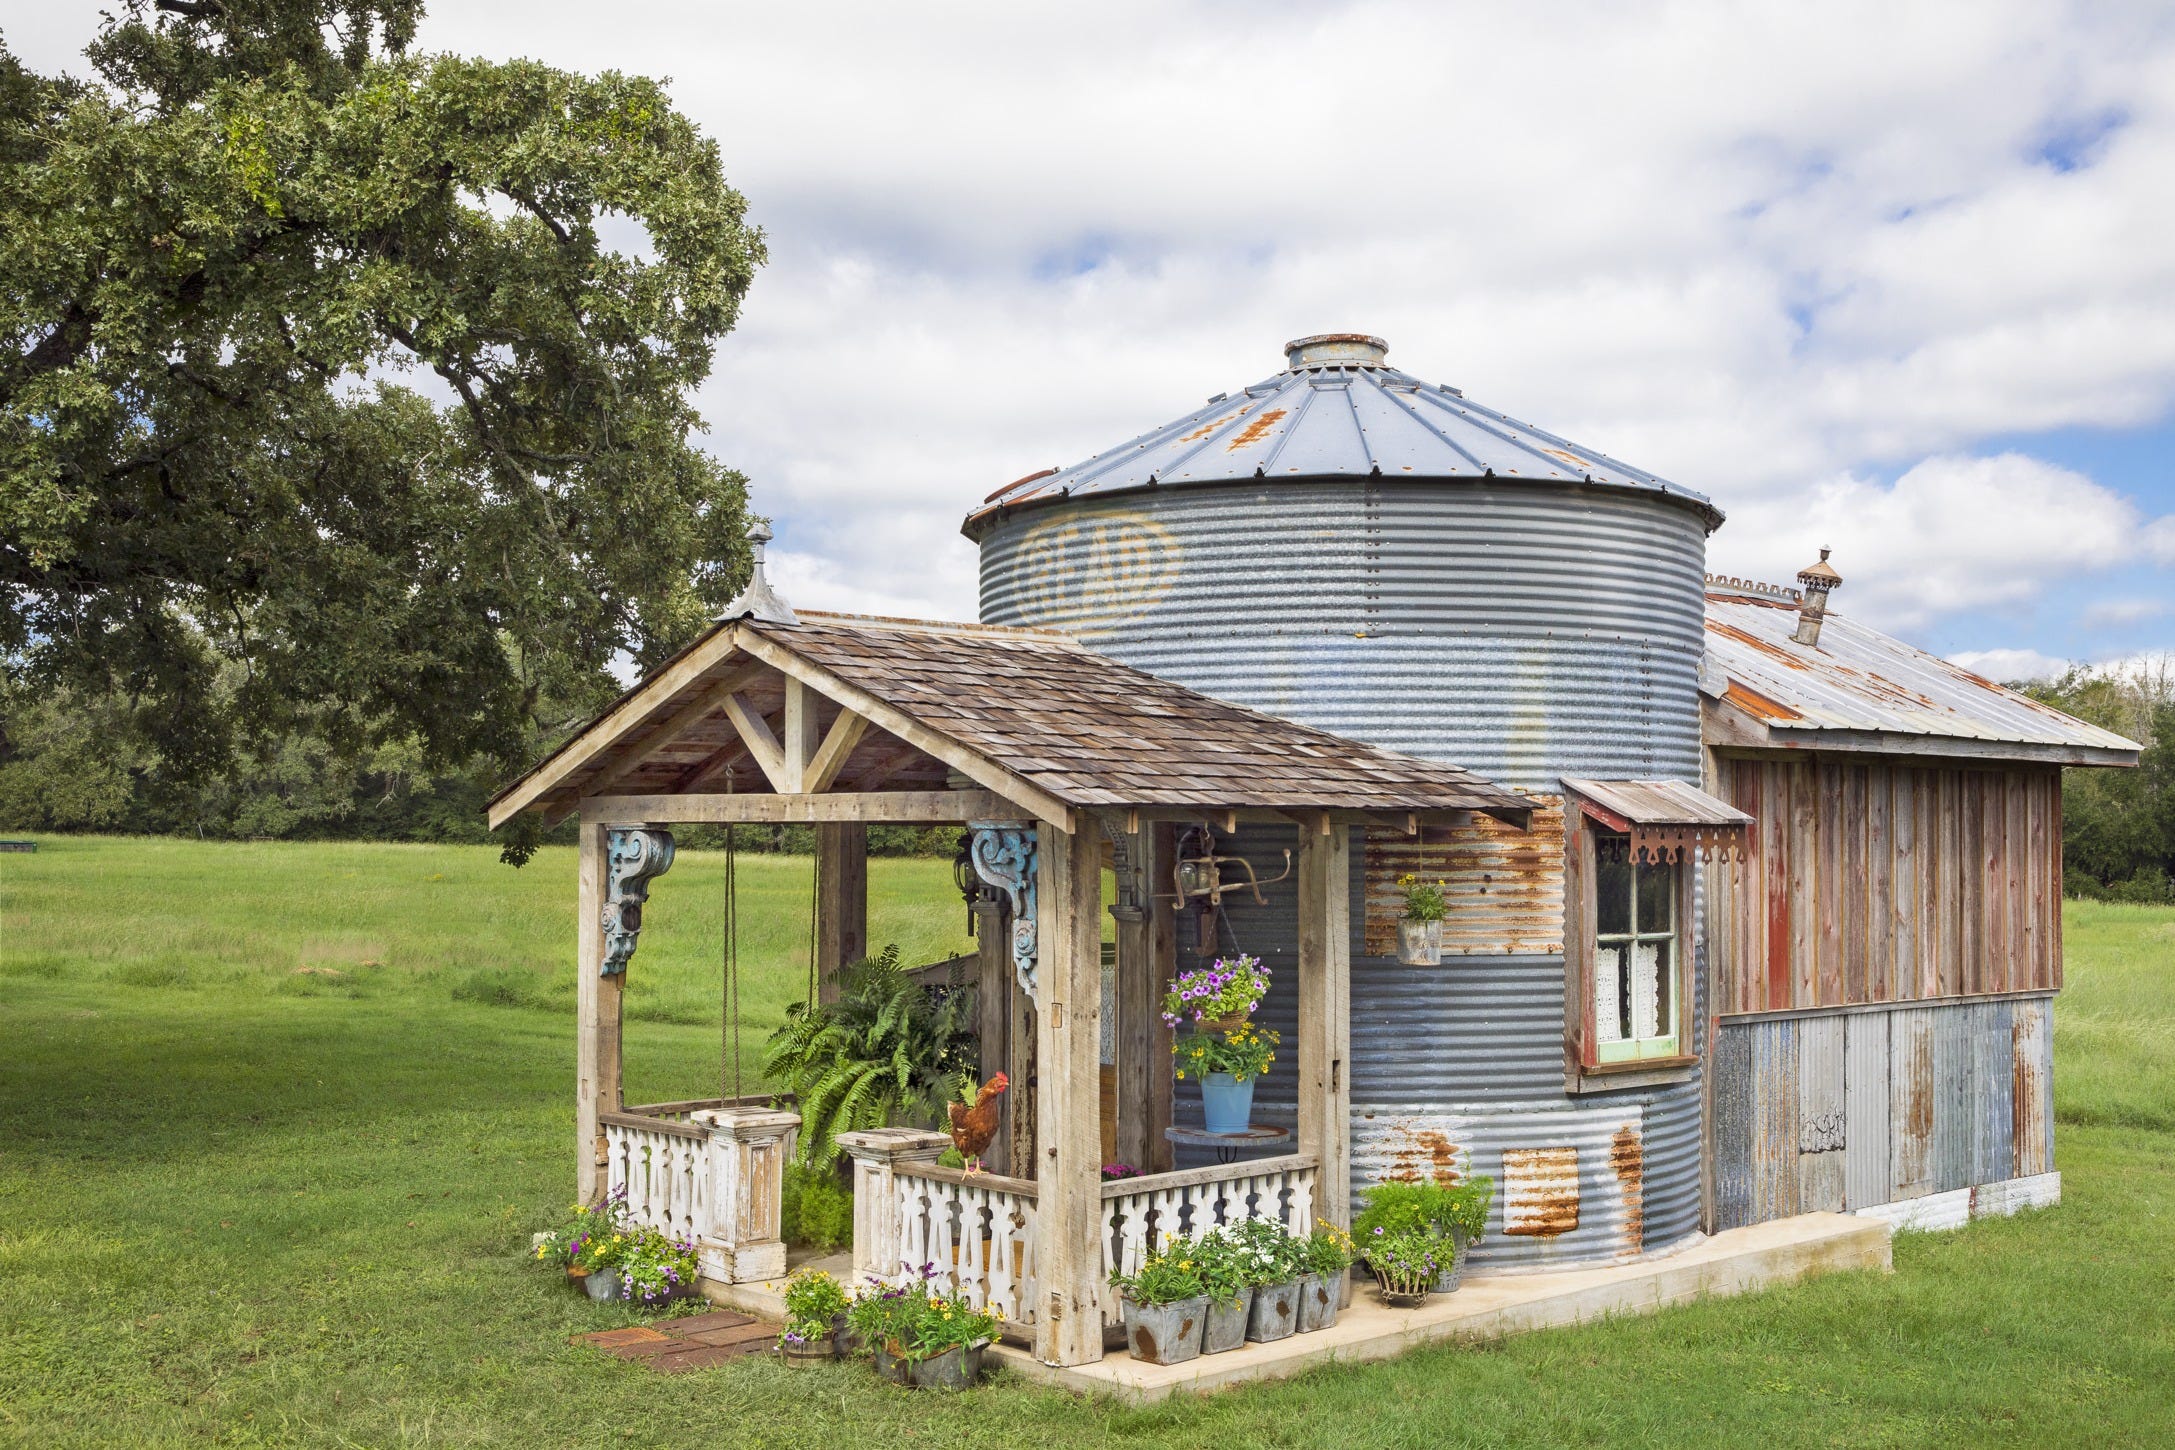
(1869, 881)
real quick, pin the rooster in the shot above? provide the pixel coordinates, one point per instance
(974, 1118)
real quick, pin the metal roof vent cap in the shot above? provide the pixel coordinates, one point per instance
(1819, 580)
(1336, 349)
(759, 600)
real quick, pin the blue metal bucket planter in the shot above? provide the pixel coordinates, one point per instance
(1227, 1105)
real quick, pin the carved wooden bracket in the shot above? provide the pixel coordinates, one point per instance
(634, 856)
(1004, 856)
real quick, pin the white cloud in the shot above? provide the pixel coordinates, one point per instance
(1771, 251)
(2123, 611)
(1952, 534)
(2011, 664)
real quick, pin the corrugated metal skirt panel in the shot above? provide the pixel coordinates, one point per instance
(1525, 632)
(1853, 1110)
(1453, 1065)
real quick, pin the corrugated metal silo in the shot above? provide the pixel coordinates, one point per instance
(1348, 546)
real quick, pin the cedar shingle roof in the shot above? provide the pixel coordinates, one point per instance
(1098, 733)
(1035, 705)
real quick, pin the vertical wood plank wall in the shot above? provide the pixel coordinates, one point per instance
(1876, 882)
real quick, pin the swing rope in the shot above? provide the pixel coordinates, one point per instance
(815, 912)
(729, 1086)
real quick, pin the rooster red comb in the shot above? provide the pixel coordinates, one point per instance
(998, 1083)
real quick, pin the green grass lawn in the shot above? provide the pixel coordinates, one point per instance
(242, 1202)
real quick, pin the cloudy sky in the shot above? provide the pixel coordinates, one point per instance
(1895, 278)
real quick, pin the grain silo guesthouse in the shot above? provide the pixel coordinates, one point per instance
(1753, 912)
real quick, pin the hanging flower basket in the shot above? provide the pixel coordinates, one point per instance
(1419, 943)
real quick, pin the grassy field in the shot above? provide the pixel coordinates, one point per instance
(276, 1123)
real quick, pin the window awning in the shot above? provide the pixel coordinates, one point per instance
(1664, 818)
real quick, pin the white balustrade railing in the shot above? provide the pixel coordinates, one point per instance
(970, 1234)
(706, 1173)
(974, 1233)
(664, 1168)
(1144, 1213)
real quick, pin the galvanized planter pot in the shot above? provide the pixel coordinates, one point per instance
(1227, 1324)
(1419, 943)
(1275, 1314)
(890, 1366)
(956, 1368)
(1166, 1333)
(601, 1284)
(1448, 1279)
(1318, 1299)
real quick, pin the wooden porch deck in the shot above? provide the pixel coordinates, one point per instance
(1736, 1262)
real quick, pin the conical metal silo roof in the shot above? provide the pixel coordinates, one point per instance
(1338, 410)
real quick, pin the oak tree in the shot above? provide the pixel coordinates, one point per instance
(351, 385)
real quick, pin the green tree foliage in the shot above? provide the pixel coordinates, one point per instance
(888, 1051)
(2118, 826)
(345, 392)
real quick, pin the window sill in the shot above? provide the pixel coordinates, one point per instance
(1618, 1076)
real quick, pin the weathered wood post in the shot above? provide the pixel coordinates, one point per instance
(1144, 1054)
(1068, 1196)
(993, 1010)
(617, 864)
(749, 1148)
(841, 902)
(596, 998)
(1160, 841)
(1325, 1012)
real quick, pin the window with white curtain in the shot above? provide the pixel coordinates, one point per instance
(1636, 1014)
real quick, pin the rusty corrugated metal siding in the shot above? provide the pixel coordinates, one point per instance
(1862, 1108)
(1525, 634)
(1525, 626)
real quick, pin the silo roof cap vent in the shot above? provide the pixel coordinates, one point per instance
(1336, 349)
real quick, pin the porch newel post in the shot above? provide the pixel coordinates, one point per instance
(993, 1008)
(1068, 1208)
(1143, 1057)
(1159, 842)
(1325, 1012)
(842, 904)
(596, 998)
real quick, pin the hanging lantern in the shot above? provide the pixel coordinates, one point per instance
(964, 877)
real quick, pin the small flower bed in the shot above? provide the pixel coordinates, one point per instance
(1246, 1052)
(1423, 899)
(1227, 987)
(1327, 1251)
(1407, 1261)
(1169, 1276)
(1119, 1172)
(948, 1321)
(590, 1239)
(813, 1302)
(652, 1268)
(1407, 1207)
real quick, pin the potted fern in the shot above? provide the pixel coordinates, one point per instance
(888, 1052)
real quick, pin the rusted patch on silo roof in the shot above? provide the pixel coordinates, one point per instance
(1753, 703)
(1765, 647)
(1255, 431)
(1540, 1191)
(1207, 428)
(1627, 1156)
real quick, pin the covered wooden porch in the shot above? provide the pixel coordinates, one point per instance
(1056, 760)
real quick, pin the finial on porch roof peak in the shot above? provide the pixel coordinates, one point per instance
(759, 600)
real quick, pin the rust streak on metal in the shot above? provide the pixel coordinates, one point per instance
(1752, 702)
(1540, 1191)
(1753, 641)
(1628, 1157)
(1207, 428)
(1255, 431)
